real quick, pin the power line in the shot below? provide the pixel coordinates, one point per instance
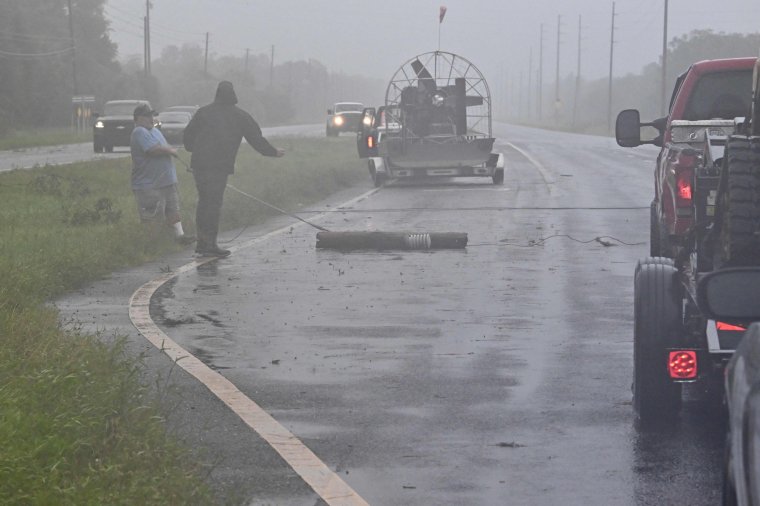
(31, 37)
(35, 55)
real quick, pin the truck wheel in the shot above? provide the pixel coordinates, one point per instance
(109, 149)
(739, 204)
(498, 176)
(97, 147)
(658, 323)
(654, 231)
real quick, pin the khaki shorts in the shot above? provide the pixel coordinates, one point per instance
(158, 204)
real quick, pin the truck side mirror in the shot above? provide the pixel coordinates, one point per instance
(730, 294)
(628, 128)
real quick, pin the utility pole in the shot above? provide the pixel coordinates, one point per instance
(609, 88)
(520, 98)
(145, 46)
(73, 51)
(271, 67)
(577, 72)
(663, 96)
(540, 71)
(247, 50)
(530, 83)
(205, 58)
(556, 87)
(147, 38)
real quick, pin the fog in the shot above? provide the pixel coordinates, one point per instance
(374, 38)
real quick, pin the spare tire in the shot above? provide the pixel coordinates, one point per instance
(738, 212)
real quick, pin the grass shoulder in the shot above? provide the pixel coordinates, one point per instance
(21, 139)
(78, 426)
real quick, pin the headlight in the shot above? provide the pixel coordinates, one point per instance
(99, 124)
(338, 120)
(367, 120)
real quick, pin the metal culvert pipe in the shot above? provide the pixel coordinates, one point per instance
(391, 240)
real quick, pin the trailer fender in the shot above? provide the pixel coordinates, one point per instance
(377, 165)
(496, 160)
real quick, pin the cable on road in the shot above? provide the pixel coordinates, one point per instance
(604, 240)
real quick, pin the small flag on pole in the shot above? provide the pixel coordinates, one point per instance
(441, 14)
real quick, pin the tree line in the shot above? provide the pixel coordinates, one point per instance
(42, 67)
(587, 111)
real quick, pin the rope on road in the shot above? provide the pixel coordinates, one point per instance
(539, 242)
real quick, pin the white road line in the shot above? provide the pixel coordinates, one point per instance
(548, 179)
(327, 484)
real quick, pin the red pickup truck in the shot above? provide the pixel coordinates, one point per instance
(708, 90)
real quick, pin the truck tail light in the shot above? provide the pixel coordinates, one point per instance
(370, 142)
(682, 364)
(684, 171)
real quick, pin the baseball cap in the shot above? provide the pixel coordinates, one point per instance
(143, 110)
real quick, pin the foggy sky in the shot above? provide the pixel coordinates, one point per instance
(373, 38)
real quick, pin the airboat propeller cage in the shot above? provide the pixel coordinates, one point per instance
(442, 105)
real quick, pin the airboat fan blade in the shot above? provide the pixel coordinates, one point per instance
(473, 100)
(423, 76)
(460, 106)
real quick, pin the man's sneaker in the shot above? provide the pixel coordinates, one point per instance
(185, 239)
(214, 251)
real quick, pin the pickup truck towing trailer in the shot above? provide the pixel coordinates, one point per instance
(436, 122)
(711, 167)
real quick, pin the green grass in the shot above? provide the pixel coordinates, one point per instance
(19, 139)
(77, 426)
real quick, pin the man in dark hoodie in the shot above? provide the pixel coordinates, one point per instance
(213, 137)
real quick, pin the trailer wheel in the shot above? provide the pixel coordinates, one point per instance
(498, 176)
(378, 178)
(738, 213)
(658, 322)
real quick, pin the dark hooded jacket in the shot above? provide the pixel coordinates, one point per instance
(214, 134)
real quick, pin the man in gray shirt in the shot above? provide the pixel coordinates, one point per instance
(154, 177)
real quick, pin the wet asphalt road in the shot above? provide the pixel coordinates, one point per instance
(499, 374)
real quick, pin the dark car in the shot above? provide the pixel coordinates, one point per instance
(192, 109)
(115, 125)
(173, 124)
(344, 117)
(733, 296)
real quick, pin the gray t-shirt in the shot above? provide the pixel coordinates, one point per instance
(150, 171)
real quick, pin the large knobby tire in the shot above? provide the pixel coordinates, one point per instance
(658, 324)
(739, 204)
